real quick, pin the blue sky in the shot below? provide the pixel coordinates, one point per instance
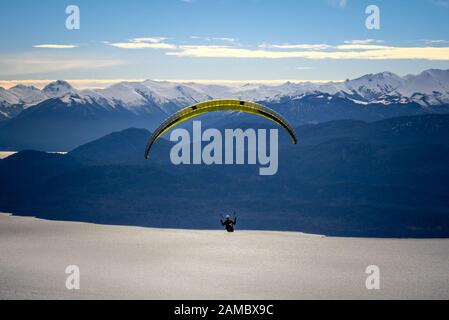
(221, 39)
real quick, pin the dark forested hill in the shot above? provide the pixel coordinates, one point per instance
(348, 178)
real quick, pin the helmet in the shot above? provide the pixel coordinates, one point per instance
(228, 216)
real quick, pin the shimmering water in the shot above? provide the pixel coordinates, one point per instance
(5, 154)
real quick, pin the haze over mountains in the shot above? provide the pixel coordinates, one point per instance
(59, 117)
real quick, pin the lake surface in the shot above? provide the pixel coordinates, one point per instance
(150, 263)
(6, 154)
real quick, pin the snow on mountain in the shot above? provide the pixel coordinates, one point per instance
(272, 93)
(430, 88)
(177, 93)
(9, 104)
(427, 82)
(333, 88)
(254, 91)
(28, 94)
(212, 90)
(58, 89)
(8, 98)
(373, 86)
(367, 89)
(140, 96)
(120, 94)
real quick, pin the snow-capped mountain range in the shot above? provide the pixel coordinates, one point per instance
(60, 117)
(429, 88)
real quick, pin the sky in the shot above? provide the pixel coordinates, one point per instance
(219, 40)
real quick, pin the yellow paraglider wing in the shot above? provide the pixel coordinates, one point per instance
(218, 105)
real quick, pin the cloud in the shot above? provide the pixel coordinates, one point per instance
(348, 45)
(367, 49)
(338, 3)
(149, 39)
(55, 46)
(32, 64)
(360, 47)
(366, 41)
(356, 52)
(441, 3)
(224, 39)
(296, 46)
(438, 41)
(144, 43)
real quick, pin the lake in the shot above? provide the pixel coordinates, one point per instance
(6, 154)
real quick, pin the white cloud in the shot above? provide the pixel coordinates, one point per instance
(438, 41)
(363, 52)
(224, 39)
(441, 3)
(338, 3)
(366, 41)
(348, 44)
(296, 46)
(55, 46)
(367, 49)
(149, 39)
(360, 47)
(144, 43)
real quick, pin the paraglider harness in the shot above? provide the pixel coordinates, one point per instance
(229, 223)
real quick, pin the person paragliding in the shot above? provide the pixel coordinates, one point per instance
(229, 223)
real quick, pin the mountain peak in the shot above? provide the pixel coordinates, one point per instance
(380, 76)
(58, 88)
(24, 86)
(434, 71)
(28, 94)
(59, 83)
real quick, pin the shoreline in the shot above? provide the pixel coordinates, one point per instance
(217, 230)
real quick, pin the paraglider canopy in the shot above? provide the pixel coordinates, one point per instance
(219, 105)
